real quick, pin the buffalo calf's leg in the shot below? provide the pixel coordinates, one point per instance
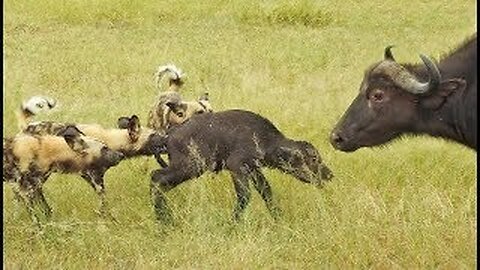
(242, 189)
(263, 187)
(242, 170)
(160, 161)
(163, 180)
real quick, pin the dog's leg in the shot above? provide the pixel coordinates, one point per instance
(95, 179)
(26, 194)
(38, 196)
(18, 199)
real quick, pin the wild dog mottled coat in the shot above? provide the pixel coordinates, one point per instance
(132, 141)
(29, 160)
(169, 107)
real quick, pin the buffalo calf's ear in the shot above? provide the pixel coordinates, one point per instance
(287, 153)
(444, 90)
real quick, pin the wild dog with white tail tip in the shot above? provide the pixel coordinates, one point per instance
(33, 106)
(132, 141)
(169, 108)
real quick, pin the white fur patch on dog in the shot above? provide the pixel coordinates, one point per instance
(174, 72)
(37, 104)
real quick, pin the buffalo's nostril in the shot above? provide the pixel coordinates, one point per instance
(336, 138)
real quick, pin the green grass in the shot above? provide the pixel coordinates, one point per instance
(409, 205)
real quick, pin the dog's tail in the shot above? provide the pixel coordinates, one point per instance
(175, 76)
(32, 107)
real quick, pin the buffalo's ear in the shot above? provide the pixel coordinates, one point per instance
(444, 90)
(72, 134)
(123, 122)
(134, 128)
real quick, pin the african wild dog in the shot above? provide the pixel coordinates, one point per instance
(169, 108)
(241, 142)
(28, 161)
(132, 141)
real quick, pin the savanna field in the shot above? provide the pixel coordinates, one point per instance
(408, 205)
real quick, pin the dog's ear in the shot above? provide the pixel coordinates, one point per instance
(70, 131)
(204, 101)
(134, 128)
(172, 105)
(123, 122)
(204, 97)
(72, 136)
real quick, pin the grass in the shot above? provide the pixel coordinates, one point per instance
(303, 12)
(411, 204)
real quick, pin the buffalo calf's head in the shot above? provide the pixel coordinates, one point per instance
(154, 144)
(302, 160)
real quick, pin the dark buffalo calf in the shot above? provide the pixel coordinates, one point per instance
(241, 142)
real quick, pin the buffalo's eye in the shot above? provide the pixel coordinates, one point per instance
(180, 114)
(377, 96)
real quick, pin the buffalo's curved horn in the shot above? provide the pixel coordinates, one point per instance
(388, 53)
(434, 77)
(407, 81)
(433, 72)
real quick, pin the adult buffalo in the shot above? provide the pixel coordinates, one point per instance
(395, 99)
